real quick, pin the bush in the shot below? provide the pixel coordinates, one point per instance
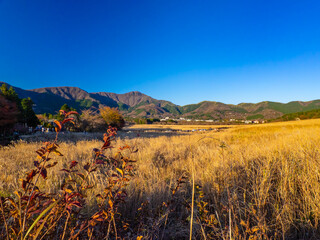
(91, 121)
(112, 117)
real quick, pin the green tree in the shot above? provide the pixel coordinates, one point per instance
(65, 107)
(10, 93)
(28, 115)
(112, 117)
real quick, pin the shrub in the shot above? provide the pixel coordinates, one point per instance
(90, 121)
(112, 117)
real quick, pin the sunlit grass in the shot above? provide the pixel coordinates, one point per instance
(265, 175)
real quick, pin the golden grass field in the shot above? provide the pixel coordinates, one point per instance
(251, 182)
(175, 127)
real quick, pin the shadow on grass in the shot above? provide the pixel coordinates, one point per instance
(81, 136)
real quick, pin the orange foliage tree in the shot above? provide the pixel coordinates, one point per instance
(8, 113)
(112, 117)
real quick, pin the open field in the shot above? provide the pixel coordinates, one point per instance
(176, 127)
(261, 181)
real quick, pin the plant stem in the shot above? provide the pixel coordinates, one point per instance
(52, 225)
(34, 186)
(4, 219)
(65, 226)
(192, 201)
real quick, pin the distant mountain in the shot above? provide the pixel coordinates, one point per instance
(137, 104)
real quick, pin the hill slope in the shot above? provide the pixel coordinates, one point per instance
(137, 104)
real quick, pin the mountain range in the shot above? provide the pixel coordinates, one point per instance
(136, 104)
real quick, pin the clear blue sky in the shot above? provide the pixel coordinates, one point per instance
(181, 51)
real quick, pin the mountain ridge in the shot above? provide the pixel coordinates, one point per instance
(137, 104)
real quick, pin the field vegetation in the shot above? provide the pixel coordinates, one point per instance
(247, 182)
(176, 127)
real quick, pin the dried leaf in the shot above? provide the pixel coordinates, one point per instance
(68, 120)
(51, 165)
(81, 175)
(31, 175)
(57, 153)
(72, 112)
(110, 203)
(58, 128)
(87, 166)
(120, 171)
(62, 112)
(44, 173)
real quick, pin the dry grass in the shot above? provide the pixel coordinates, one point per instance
(261, 181)
(176, 127)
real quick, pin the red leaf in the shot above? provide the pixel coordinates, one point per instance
(73, 196)
(68, 120)
(105, 137)
(106, 145)
(86, 167)
(35, 212)
(51, 165)
(72, 112)
(99, 161)
(24, 184)
(77, 204)
(36, 164)
(62, 112)
(73, 164)
(44, 173)
(31, 175)
(124, 147)
(40, 152)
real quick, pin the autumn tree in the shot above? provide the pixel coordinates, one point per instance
(25, 114)
(112, 117)
(8, 114)
(91, 121)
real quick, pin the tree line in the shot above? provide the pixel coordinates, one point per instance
(14, 110)
(16, 113)
(89, 120)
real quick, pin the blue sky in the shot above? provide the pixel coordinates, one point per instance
(181, 51)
